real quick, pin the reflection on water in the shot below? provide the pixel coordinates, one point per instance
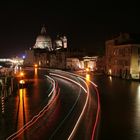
(110, 78)
(35, 73)
(137, 111)
(36, 88)
(87, 77)
(25, 103)
(22, 108)
(138, 93)
(120, 105)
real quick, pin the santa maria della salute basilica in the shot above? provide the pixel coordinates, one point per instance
(46, 52)
(50, 53)
(44, 41)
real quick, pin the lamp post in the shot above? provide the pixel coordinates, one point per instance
(21, 80)
(2, 105)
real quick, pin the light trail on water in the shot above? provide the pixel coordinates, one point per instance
(36, 117)
(66, 78)
(98, 104)
(69, 80)
(82, 113)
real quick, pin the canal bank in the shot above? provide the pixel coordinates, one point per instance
(8, 85)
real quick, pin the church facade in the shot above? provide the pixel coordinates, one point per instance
(45, 50)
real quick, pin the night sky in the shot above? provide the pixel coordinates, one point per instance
(86, 24)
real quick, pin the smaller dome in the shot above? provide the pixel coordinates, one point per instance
(58, 42)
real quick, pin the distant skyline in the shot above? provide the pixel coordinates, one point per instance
(86, 25)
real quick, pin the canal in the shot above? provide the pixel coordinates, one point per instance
(120, 108)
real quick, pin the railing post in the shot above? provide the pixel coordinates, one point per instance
(2, 103)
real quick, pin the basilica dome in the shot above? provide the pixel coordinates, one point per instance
(43, 41)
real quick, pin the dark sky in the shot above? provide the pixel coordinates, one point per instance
(86, 24)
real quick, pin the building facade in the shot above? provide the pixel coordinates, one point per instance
(123, 57)
(90, 62)
(72, 64)
(37, 56)
(58, 59)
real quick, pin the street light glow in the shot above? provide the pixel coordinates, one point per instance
(22, 81)
(35, 65)
(21, 74)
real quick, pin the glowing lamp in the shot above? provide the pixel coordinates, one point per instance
(21, 74)
(22, 82)
(87, 69)
(23, 56)
(110, 71)
(35, 65)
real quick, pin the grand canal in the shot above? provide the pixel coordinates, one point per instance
(120, 108)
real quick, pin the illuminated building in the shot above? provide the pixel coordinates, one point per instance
(37, 56)
(123, 56)
(73, 63)
(57, 56)
(79, 63)
(64, 40)
(43, 41)
(60, 43)
(90, 62)
(43, 50)
(30, 59)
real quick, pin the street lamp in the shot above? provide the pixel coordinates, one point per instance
(22, 82)
(21, 79)
(21, 74)
(35, 65)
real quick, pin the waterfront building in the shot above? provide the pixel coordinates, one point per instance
(37, 56)
(123, 56)
(90, 62)
(100, 64)
(73, 64)
(58, 59)
(58, 55)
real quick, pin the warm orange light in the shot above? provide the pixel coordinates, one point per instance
(87, 77)
(87, 69)
(110, 71)
(110, 78)
(35, 65)
(20, 112)
(36, 73)
(21, 74)
(22, 82)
